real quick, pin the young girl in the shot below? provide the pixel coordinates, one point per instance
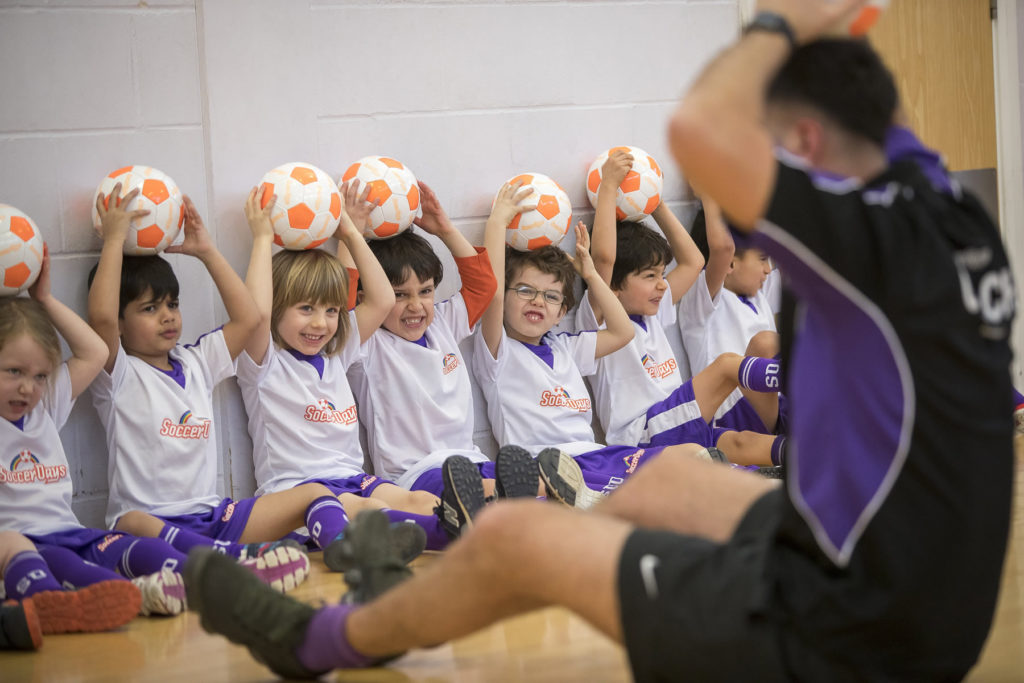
(302, 415)
(43, 547)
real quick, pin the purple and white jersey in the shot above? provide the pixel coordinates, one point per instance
(415, 400)
(302, 415)
(535, 395)
(901, 462)
(35, 479)
(160, 429)
(637, 376)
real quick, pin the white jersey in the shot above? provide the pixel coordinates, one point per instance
(35, 479)
(302, 417)
(416, 402)
(726, 324)
(160, 435)
(536, 397)
(634, 378)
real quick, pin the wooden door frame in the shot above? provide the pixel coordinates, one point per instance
(1010, 151)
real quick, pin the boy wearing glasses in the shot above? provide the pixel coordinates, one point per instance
(533, 379)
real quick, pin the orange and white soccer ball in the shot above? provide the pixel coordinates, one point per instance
(865, 19)
(394, 186)
(159, 195)
(308, 206)
(21, 251)
(548, 223)
(640, 192)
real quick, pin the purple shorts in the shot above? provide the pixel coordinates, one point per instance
(696, 430)
(742, 417)
(360, 484)
(605, 469)
(86, 543)
(432, 481)
(226, 522)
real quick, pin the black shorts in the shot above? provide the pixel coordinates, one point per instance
(697, 610)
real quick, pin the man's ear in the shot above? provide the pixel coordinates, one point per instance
(810, 139)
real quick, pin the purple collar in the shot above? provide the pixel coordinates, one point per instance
(542, 351)
(177, 372)
(317, 361)
(19, 423)
(639, 320)
(422, 341)
(748, 302)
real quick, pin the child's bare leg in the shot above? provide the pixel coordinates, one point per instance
(278, 514)
(138, 523)
(707, 499)
(713, 384)
(747, 448)
(12, 543)
(482, 578)
(764, 345)
(397, 498)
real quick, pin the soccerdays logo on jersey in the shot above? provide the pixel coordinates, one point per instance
(324, 411)
(450, 363)
(560, 398)
(25, 468)
(658, 370)
(188, 426)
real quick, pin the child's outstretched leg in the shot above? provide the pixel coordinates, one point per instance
(751, 448)
(281, 564)
(151, 564)
(102, 606)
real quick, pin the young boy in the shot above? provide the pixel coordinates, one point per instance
(532, 379)
(729, 310)
(155, 400)
(642, 399)
(413, 386)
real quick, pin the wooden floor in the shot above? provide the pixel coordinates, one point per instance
(550, 645)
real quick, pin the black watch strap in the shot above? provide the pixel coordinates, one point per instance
(772, 23)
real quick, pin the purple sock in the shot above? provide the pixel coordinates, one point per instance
(779, 451)
(437, 537)
(72, 570)
(326, 645)
(28, 574)
(325, 520)
(759, 374)
(132, 556)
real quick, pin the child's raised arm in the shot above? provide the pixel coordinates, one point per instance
(619, 328)
(105, 292)
(353, 251)
(259, 277)
(88, 350)
(603, 247)
(243, 315)
(435, 222)
(721, 247)
(507, 205)
(689, 260)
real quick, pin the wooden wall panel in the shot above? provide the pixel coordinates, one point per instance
(941, 54)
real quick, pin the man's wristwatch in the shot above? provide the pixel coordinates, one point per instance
(772, 23)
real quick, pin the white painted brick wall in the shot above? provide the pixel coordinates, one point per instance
(467, 92)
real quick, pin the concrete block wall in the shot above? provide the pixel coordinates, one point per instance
(467, 93)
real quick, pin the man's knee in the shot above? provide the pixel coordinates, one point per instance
(502, 534)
